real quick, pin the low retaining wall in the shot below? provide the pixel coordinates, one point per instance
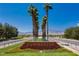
(40, 45)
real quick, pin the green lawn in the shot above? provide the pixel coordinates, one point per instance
(39, 39)
(16, 51)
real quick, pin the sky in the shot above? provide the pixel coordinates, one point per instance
(61, 17)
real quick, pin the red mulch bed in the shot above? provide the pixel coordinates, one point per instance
(40, 45)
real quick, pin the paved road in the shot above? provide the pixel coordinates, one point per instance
(9, 41)
(68, 42)
(12, 42)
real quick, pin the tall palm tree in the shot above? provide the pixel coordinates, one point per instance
(34, 13)
(47, 7)
(44, 21)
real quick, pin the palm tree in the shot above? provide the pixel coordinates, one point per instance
(34, 13)
(44, 21)
(47, 7)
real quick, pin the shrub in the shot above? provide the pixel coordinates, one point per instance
(72, 33)
(7, 31)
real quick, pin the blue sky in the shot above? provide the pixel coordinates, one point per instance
(62, 16)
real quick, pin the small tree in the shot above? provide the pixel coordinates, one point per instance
(72, 33)
(76, 33)
(7, 31)
(68, 33)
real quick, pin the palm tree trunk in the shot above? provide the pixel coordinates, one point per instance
(44, 32)
(47, 24)
(35, 28)
(36, 32)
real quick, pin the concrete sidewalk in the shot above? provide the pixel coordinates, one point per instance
(72, 45)
(72, 49)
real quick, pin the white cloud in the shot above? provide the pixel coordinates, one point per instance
(77, 24)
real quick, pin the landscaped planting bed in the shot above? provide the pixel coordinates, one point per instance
(14, 50)
(40, 45)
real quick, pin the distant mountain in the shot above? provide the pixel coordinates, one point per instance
(24, 33)
(40, 33)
